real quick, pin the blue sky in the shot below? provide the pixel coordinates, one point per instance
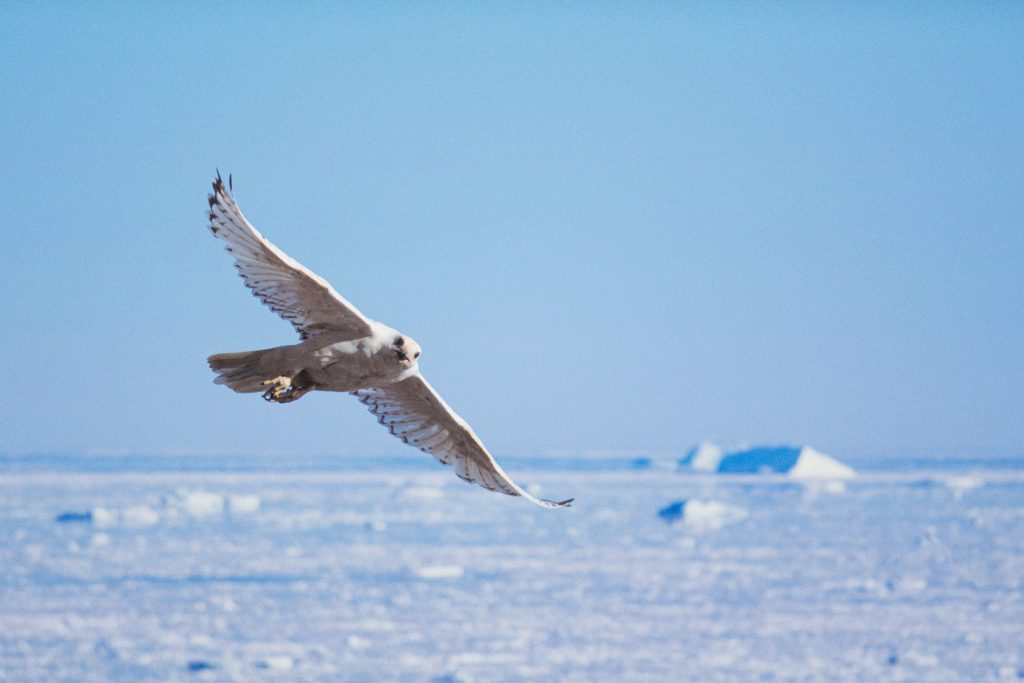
(613, 229)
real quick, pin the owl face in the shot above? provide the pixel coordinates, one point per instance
(406, 351)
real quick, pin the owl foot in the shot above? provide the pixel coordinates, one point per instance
(284, 390)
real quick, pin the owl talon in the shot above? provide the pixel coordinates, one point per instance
(282, 390)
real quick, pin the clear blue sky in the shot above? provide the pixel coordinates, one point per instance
(616, 229)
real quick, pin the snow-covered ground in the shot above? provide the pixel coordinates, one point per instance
(411, 575)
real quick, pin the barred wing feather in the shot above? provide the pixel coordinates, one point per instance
(416, 414)
(294, 292)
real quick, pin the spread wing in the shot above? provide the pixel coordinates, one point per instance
(297, 294)
(416, 414)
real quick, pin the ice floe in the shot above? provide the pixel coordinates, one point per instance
(279, 663)
(703, 515)
(198, 504)
(72, 517)
(243, 504)
(961, 484)
(421, 493)
(139, 516)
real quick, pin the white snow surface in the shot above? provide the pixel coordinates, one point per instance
(336, 576)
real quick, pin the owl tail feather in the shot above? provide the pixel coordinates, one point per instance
(240, 371)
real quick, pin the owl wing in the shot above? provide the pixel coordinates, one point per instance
(291, 290)
(416, 414)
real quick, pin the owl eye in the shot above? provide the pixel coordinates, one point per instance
(417, 355)
(400, 341)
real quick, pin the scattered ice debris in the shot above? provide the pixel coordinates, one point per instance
(103, 518)
(135, 516)
(924, 660)
(910, 585)
(439, 571)
(243, 504)
(100, 540)
(276, 663)
(703, 515)
(199, 504)
(961, 484)
(72, 517)
(193, 504)
(804, 463)
(197, 665)
(139, 516)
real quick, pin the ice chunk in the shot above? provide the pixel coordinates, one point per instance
(711, 515)
(243, 504)
(422, 493)
(704, 457)
(358, 642)
(201, 504)
(672, 512)
(103, 518)
(961, 484)
(703, 515)
(276, 663)
(139, 516)
(911, 585)
(439, 572)
(69, 517)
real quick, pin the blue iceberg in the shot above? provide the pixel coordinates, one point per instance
(797, 462)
